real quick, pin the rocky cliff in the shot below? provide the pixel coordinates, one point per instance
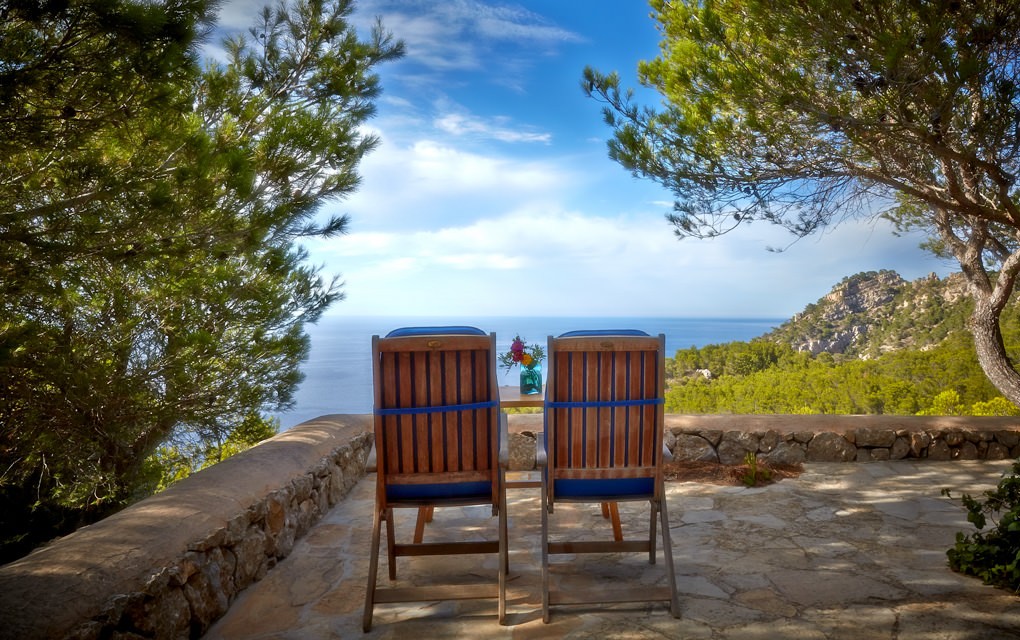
(870, 313)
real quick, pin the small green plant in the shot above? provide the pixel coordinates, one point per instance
(993, 555)
(754, 472)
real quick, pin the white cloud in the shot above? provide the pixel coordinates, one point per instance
(430, 184)
(451, 169)
(565, 263)
(458, 124)
(514, 23)
(501, 43)
(480, 261)
(240, 15)
(455, 33)
(430, 40)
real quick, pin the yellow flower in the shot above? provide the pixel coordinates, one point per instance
(526, 360)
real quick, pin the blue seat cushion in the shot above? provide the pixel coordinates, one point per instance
(603, 332)
(616, 488)
(440, 491)
(435, 331)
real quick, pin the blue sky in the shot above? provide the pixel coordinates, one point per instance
(492, 193)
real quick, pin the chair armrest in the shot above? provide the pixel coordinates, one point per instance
(504, 442)
(541, 457)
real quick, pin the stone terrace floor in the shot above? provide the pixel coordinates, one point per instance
(851, 550)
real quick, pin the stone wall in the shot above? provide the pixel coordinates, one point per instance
(170, 565)
(861, 445)
(798, 439)
(727, 439)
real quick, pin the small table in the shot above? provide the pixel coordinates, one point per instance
(512, 398)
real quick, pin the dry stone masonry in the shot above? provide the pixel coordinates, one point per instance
(861, 445)
(171, 565)
(799, 439)
(727, 439)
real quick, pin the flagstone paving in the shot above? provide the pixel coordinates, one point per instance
(845, 550)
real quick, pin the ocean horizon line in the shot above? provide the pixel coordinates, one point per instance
(366, 316)
(338, 371)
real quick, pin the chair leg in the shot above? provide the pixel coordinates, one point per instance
(614, 514)
(667, 552)
(391, 542)
(611, 511)
(373, 567)
(651, 532)
(504, 557)
(419, 524)
(545, 557)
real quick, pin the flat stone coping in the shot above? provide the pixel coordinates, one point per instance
(806, 423)
(838, 424)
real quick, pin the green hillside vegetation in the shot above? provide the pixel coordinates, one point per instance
(894, 313)
(916, 357)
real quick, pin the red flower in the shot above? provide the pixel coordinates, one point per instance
(517, 350)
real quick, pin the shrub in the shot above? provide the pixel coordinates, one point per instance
(993, 556)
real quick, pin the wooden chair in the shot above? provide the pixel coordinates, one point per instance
(440, 440)
(603, 444)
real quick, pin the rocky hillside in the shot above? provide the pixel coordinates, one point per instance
(871, 313)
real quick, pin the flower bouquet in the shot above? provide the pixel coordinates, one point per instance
(530, 359)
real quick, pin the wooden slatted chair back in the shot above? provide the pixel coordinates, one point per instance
(436, 415)
(604, 409)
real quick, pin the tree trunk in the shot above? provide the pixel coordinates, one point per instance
(991, 353)
(990, 291)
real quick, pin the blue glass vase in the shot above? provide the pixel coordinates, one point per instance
(531, 379)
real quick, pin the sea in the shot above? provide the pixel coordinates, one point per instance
(338, 372)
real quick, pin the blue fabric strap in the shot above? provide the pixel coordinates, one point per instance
(603, 403)
(405, 411)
